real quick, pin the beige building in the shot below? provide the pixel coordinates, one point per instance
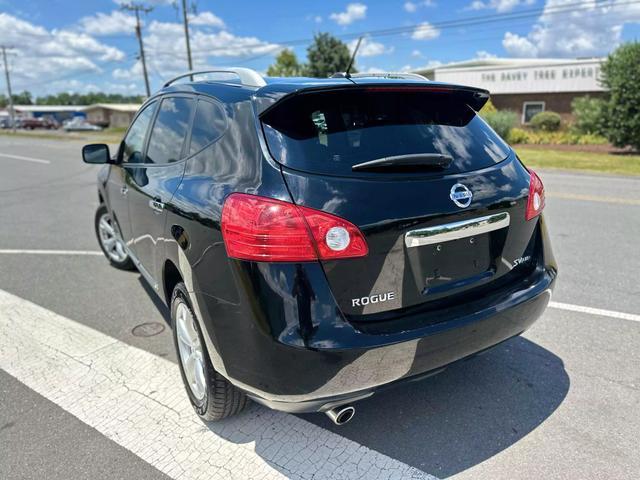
(117, 115)
(526, 86)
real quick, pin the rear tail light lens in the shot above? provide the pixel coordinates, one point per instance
(268, 230)
(535, 202)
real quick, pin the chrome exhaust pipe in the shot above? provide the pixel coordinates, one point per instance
(341, 415)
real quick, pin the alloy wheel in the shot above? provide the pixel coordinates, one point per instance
(190, 351)
(110, 240)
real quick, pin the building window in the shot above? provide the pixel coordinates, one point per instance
(529, 109)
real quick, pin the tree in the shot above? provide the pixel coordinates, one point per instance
(326, 56)
(65, 98)
(286, 65)
(589, 114)
(620, 74)
(23, 98)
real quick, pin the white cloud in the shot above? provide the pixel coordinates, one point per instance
(499, 5)
(113, 23)
(595, 28)
(484, 55)
(166, 50)
(151, 3)
(44, 58)
(207, 19)
(354, 11)
(431, 64)
(425, 31)
(416, 53)
(412, 7)
(369, 48)
(371, 70)
(518, 46)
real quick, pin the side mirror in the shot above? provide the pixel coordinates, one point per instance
(96, 153)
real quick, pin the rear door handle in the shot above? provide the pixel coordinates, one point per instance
(124, 190)
(156, 205)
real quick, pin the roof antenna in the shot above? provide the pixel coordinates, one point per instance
(353, 57)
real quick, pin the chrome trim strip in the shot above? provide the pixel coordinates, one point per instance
(456, 230)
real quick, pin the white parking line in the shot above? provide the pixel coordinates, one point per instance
(137, 400)
(11, 251)
(25, 159)
(595, 311)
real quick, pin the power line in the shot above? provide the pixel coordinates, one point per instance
(568, 8)
(137, 8)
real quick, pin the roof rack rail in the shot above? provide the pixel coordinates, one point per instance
(402, 75)
(247, 76)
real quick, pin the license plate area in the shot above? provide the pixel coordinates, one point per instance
(452, 256)
(454, 261)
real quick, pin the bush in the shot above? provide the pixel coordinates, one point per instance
(502, 121)
(620, 74)
(517, 135)
(561, 138)
(488, 108)
(592, 139)
(589, 114)
(546, 121)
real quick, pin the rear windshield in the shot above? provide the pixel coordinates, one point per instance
(329, 132)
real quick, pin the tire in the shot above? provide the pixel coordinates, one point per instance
(116, 256)
(216, 398)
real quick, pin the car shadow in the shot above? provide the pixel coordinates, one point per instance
(470, 412)
(441, 425)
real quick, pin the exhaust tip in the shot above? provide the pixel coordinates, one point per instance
(341, 415)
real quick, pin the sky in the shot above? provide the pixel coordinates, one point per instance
(81, 46)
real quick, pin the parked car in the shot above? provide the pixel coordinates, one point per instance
(31, 123)
(317, 240)
(79, 124)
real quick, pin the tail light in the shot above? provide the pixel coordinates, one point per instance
(535, 203)
(268, 230)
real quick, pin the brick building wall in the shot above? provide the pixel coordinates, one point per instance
(556, 102)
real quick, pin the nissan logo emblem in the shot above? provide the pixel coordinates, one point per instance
(461, 195)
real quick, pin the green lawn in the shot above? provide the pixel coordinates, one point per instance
(587, 161)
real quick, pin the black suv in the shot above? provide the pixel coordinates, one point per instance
(317, 239)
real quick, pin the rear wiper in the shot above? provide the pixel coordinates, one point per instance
(414, 161)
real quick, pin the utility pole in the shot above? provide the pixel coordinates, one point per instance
(6, 72)
(137, 8)
(186, 33)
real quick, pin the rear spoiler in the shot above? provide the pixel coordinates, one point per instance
(273, 94)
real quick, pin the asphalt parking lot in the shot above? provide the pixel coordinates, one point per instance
(84, 394)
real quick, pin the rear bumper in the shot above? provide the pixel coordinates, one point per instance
(290, 369)
(358, 374)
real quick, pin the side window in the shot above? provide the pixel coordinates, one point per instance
(133, 144)
(169, 130)
(208, 125)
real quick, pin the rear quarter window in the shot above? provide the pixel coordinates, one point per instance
(329, 132)
(208, 125)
